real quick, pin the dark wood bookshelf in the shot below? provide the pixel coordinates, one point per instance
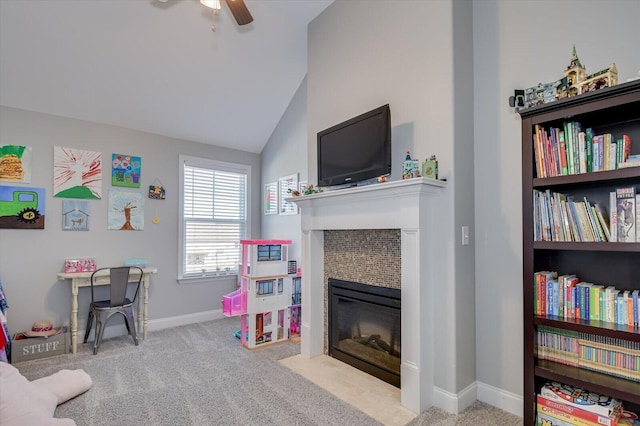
(614, 110)
(601, 328)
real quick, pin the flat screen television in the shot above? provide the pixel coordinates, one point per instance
(355, 150)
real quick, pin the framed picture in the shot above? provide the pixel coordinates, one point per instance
(22, 207)
(15, 163)
(125, 170)
(270, 199)
(75, 215)
(126, 210)
(302, 186)
(77, 173)
(286, 184)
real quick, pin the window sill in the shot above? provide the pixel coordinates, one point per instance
(207, 278)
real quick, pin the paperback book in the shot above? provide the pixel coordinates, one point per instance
(559, 411)
(582, 399)
(626, 214)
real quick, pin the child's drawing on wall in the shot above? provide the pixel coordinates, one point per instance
(126, 210)
(15, 163)
(77, 173)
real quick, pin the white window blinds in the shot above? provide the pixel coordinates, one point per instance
(214, 218)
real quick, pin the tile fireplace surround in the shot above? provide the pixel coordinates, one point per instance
(413, 206)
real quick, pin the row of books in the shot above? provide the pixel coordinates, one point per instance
(563, 405)
(612, 356)
(558, 217)
(569, 150)
(567, 297)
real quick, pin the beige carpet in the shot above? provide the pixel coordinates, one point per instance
(370, 395)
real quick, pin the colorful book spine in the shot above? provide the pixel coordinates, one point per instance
(581, 399)
(573, 415)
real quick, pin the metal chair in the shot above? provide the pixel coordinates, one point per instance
(118, 302)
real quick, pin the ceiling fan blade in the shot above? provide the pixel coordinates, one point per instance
(240, 11)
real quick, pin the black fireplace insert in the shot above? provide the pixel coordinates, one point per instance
(364, 328)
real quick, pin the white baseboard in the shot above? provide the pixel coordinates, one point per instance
(500, 398)
(162, 323)
(454, 403)
(158, 324)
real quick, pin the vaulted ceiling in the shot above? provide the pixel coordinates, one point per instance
(157, 66)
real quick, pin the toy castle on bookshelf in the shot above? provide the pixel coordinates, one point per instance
(268, 298)
(575, 82)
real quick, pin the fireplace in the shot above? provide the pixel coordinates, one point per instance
(364, 328)
(418, 209)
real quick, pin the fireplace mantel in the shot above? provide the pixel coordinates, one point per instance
(414, 206)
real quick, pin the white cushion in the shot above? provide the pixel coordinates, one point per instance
(25, 403)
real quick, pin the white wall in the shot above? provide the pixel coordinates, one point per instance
(284, 154)
(518, 44)
(31, 259)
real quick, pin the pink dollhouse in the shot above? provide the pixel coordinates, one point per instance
(265, 299)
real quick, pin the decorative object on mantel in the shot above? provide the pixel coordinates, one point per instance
(307, 189)
(382, 179)
(575, 82)
(410, 167)
(430, 167)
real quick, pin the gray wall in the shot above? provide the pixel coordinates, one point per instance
(518, 44)
(30, 259)
(401, 53)
(284, 154)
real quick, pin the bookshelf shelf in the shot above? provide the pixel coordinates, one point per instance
(588, 246)
(614, 111)
(601, 328)
(616, 387)
(603, 177)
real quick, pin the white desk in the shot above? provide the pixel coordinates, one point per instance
(83, 279)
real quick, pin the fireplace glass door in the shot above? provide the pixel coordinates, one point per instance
(364, 328)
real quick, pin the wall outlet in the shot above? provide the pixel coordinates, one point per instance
(465, 235)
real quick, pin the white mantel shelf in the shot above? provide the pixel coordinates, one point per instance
(416, 207)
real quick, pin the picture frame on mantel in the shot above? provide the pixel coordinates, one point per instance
(286, 185)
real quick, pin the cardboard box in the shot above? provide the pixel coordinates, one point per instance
(39, 347)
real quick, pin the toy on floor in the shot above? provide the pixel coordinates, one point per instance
(265, 297)
(25, 403)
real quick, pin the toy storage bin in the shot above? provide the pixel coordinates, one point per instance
(234, 303)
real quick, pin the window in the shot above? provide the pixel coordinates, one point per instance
(269, 252)
(264, 287)
(214, 209)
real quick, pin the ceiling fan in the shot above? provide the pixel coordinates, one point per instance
(238, 9)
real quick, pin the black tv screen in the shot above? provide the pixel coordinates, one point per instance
(355, 150)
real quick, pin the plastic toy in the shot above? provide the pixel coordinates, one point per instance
(265, 298)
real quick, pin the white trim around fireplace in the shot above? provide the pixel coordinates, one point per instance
(416, 208)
